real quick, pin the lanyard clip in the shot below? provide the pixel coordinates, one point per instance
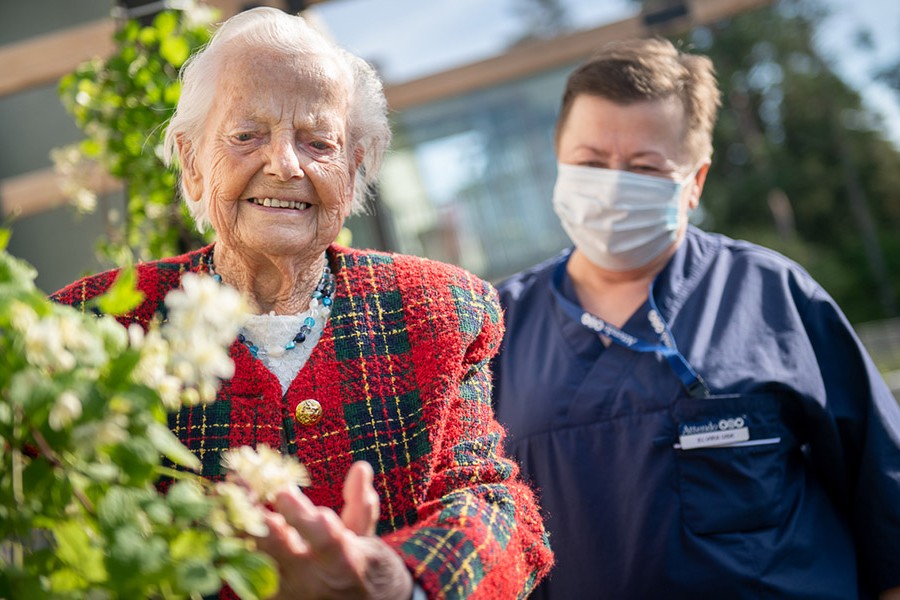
(698, 387)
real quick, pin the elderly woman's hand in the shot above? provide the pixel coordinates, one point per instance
(323, 555)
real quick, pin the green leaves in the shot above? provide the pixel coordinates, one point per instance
(168, 445)
(75, 549)
(122, 104)
(175, 50)
(251, 576)
(123, 296)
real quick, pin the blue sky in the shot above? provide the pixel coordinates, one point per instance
(410, 38)
(882, 19)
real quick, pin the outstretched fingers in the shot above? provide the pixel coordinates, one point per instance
(361, 503)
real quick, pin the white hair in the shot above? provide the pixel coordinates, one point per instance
(273, 29)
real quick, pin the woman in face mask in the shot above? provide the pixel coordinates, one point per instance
(696, 411)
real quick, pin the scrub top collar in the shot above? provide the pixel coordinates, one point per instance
(660, 341)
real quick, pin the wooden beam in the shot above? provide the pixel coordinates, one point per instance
(48, 57)
(543, 55)
(40, 190)
(704, 12)
(45, 58)
(516, 63)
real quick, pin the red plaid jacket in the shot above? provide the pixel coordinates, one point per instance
(401, 373)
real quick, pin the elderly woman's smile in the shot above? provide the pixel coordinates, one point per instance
(276, 203)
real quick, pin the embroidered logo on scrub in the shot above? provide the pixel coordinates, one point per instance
(724, 432)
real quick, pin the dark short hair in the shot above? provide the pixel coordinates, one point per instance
(651, 69)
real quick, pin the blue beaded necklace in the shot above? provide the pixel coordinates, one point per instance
(319, 307)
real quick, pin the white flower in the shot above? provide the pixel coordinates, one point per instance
(152, 366)
(66, 409)
(44, 346)
(204, 319)
(211, 360)
(135, 336)
(184, 370)
(264, 470)
(197, 14)
(84, 200)
(207, 391)
(190, 396)
(113, 334)
(241, 511)
(204, 308)
(79, 339)
(111, 430)
(169, 389)
(72, 330)
(21, 316)
(154, 210)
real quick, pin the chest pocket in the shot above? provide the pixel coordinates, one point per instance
(739, 485)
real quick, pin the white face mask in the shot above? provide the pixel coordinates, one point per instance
(618, 220)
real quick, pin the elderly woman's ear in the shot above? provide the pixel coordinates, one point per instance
(359, 153)
(191, 178)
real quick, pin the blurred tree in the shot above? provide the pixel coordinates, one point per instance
(800, 164)
(540, 19)
(890, 75)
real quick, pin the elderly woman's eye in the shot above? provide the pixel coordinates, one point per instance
(320, 145)
(244, 137)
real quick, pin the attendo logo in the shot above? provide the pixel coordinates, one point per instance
(711, 426)
(735, 423)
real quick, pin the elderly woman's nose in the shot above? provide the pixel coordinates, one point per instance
(284, 160)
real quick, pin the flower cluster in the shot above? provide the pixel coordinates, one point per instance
(256, 476)
(83, 433)
(75, 173)
(185, 359)
(264, 470)
(61, 341)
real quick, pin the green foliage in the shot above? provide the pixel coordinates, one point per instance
(122, 104)
(82, 436)
(790, 123)
(122, 296)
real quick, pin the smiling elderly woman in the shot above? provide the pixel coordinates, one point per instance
(371, 368)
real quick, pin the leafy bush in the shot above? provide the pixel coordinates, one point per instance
(122, 103)
(83, 432)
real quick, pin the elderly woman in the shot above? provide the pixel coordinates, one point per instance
(371, 368)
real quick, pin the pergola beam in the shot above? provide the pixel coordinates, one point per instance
(45, 58)
(543, 55)
(39, 191)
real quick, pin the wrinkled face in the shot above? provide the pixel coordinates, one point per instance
(645, 137)
(272, 161)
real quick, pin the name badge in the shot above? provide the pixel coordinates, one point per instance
(723, 432)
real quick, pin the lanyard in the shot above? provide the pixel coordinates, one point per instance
(691, 380)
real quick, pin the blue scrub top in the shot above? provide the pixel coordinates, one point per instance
(806, 505)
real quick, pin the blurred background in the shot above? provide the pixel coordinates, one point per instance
(807, 148)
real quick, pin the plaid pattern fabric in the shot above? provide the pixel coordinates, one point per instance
(401, 373)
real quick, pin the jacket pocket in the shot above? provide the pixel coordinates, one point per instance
(735, 484)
